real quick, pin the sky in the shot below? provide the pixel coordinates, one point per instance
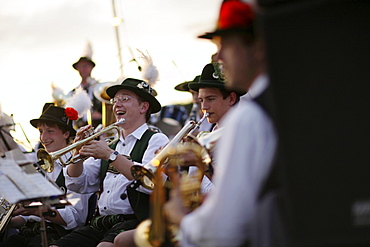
(40, 40)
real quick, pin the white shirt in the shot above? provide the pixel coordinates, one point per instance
(114, 184)
(244, 154)
(206, 185)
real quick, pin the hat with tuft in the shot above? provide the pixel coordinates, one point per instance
(58, 115)
(87, 59)
(211, 77)
(139, 87)
(86, 56)
(235, 16)
(184, 85)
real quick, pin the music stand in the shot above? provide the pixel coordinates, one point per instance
(22, 184)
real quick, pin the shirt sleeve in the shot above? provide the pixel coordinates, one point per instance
(75, 215)
(243, 153)
(88, 181)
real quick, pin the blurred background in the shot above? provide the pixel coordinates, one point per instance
(40, 40)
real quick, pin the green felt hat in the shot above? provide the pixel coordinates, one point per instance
(211, 77)
(184, 85)
(57, 115)
(139, 87)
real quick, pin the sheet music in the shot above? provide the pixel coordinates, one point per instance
(17, 185)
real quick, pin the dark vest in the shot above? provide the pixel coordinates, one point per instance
(140, 202)
(269, 227)
(61, 181)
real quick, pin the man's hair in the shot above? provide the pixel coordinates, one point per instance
(226, 93)
(149, 111)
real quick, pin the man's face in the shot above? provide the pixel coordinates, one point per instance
(128, 106)
(84, 68)
(212, 102)
(239, 61)
(52, 138)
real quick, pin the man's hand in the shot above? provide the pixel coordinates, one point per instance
(98, 149)
(81, 134)
(26, 211)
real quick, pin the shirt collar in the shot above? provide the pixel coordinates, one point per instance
(258, 86)
(138, 133)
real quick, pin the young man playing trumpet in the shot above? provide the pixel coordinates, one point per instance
(133, 101)
(215, 100)
(56, 131)
(196, 112)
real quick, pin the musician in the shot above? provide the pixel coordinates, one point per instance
(246, 149)
(215, 100)
(196, 112)
(56, 132)
(84, 66)
(133, 101)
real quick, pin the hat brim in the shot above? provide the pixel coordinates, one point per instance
(75, 64)
(35, 122)
(154, 103)
(196, 85)
(222, 32)
(183, 86)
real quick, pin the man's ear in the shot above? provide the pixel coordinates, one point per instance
(144, 107)
(232, 98)
(67, 134)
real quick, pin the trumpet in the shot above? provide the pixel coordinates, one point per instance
(49, 158)
(145, 174)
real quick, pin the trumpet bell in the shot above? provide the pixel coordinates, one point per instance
(145, 174)
(100, 91)
(47, 159)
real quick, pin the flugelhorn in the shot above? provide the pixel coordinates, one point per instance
(157, 231)
(145, 174)
(49, 158)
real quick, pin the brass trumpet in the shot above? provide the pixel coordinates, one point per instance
(49, 158)
(145, 174)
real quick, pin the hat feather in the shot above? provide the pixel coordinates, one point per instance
(149, 72)
(87, 51)
(58, 95)
(80, 101)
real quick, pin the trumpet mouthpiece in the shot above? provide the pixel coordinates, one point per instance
(121, 121)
